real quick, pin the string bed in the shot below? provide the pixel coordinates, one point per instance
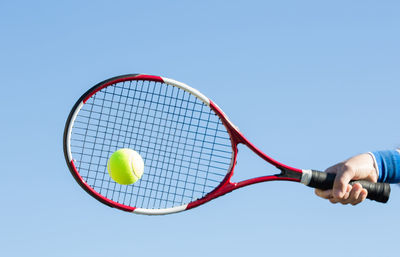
(185, 147)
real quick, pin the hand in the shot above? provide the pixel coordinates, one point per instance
(356, 168)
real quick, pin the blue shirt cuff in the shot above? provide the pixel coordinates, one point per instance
(388, 165)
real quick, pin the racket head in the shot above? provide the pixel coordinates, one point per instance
(183, 137)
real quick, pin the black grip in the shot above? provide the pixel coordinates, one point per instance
(376, 191)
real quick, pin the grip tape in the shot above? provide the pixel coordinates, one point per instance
(376, 191)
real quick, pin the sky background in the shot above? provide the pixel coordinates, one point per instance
(311, 83)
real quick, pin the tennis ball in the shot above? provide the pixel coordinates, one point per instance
(125, 166)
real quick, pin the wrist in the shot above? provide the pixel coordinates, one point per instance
(375, 166)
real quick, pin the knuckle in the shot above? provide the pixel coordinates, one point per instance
(333, 200)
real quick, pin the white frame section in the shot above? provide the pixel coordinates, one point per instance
(160, 211)
(187, 89)
(71, 124)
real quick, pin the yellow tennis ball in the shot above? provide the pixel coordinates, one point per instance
(125, 166)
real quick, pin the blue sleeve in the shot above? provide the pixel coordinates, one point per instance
(388, 165)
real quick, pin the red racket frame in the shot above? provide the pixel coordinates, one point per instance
(226, 185)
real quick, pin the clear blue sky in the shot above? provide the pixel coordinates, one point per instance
(309, 82)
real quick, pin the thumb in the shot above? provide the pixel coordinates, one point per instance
(342, 180)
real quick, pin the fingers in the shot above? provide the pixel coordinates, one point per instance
(356, 196)
(345, 197)
(326, 194)
(353, 195)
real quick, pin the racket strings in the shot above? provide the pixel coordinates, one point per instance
(185, 147)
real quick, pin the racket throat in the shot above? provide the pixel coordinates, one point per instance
(287, 173)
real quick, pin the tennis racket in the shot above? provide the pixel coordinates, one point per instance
(189, 147)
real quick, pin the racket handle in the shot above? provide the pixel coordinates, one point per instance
(376, 191)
